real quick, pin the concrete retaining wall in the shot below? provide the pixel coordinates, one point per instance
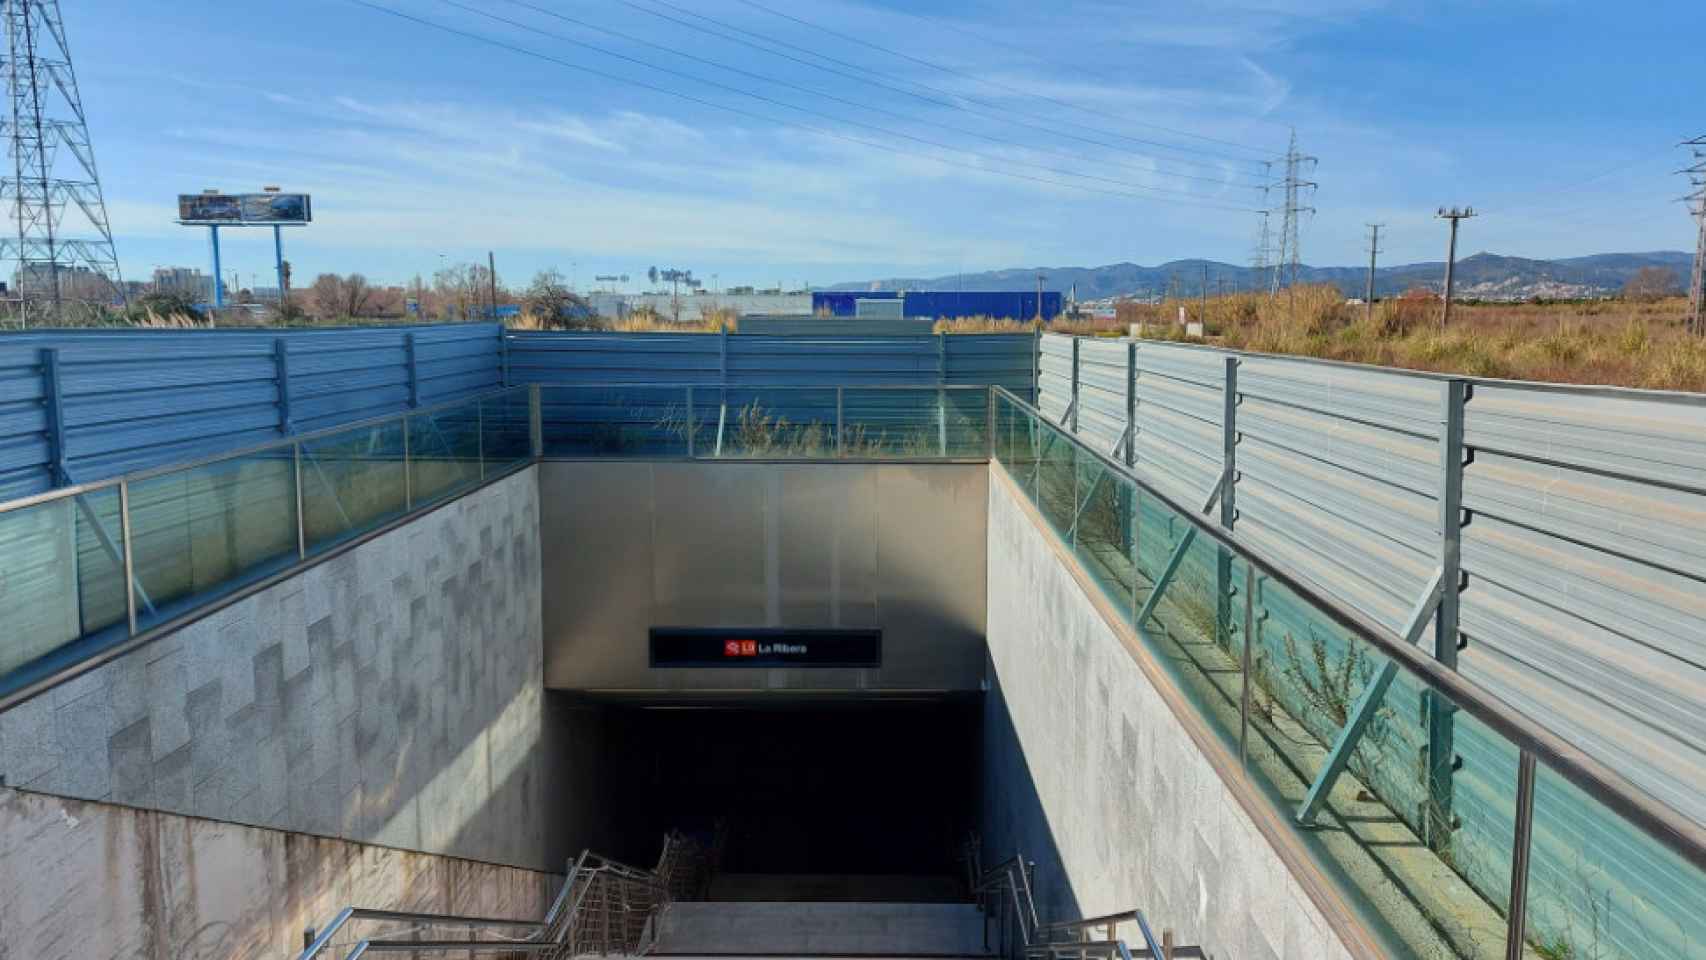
(97, 881)
(1090, 772)
(390, 695)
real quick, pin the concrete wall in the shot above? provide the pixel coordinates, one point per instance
(95, 881)
(629, 546)
(390, 695)
(1089, 771)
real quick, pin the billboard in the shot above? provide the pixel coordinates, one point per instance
(244, 208)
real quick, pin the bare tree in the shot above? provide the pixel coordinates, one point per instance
(326, 296)
(1652, 283)
(337, 298)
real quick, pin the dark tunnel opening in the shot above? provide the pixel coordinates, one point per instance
(842, 800)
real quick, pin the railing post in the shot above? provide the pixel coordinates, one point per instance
(989, 424)
(301, 522)
(1036, 396)
(414, 371)
(1131, 404)
(536, 420)
(281, 376)
(1244, 662)
(942, 394)
(1521, 843)
(55, 415)
(1228, 499)
(1076, 342)
(408, 470)
(692, 423)
(129, 563)
(1437, 823)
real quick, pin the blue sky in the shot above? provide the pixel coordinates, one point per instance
(1002, 134)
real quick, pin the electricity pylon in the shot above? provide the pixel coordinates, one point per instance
(52, 261)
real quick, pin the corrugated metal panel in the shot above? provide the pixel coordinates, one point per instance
(1178, 419)
(1102, 387)
(1584, 555)
(133, 399)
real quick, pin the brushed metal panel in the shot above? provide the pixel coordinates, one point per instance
(828, 548)
(932, 525)
(596, 561)
(631, 545)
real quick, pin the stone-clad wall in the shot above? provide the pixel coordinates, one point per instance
(390, 695)
(96, 881)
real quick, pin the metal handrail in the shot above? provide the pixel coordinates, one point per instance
(1010, 880)
(284, 443)
(1658, 820)
(555, 934)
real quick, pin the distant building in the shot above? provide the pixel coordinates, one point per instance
(36, 280)
(184, 281)
(938, 304)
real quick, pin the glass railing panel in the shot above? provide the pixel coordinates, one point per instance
(444, 452)
(1101, 529)
(1599, 887)
(625, 420)
(352, 482)
(61, 579)
(1054, 480)
(774, 423)
(914, 423)
(1016, 441)
(1420, 842)
(506, 430)
(204, 530)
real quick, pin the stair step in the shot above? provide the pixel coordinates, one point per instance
(821, 929)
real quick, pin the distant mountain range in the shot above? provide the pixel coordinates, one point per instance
(1486, 276)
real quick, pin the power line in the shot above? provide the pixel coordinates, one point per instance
(911, 118)
(832, 134)
(1031, 55)
(865, 74)
(885, 131)
(983, 80)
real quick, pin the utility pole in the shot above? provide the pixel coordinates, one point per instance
(1264, 237)
(1040, 317)
(1456, 216)
(492, 281)
(1696, 173)
(1373, 252)
(1204, 317)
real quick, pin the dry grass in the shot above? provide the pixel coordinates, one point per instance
(1613, 342)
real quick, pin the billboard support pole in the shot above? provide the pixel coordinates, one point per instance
(218, 294)
(278, 260)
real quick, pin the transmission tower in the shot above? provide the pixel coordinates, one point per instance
(1696, 173)
(1264, 235)
(52, 261)
(1297, 166)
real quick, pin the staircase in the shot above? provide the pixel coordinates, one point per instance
(822, 929)
(607, 908)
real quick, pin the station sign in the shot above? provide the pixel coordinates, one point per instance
(758, 647)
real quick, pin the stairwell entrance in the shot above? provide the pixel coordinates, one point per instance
(841, 801)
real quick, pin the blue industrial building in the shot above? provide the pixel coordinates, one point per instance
(936, 304)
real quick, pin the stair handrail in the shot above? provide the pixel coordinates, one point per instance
(554, 935)
(1010, 884)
